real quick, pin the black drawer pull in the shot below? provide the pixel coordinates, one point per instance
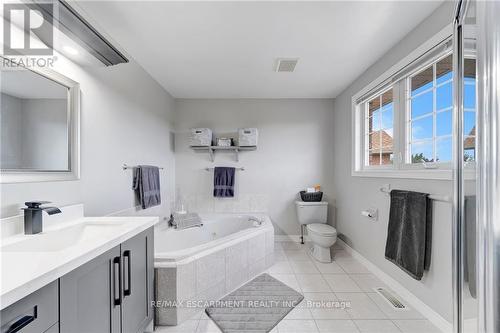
(127, 288)
(117, 281)
(22, 322)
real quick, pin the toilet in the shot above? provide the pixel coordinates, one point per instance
(313, 215)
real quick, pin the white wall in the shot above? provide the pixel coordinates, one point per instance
(126, 117)
(354, 194)
(294, 151)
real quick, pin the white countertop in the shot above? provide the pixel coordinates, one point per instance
(29, 262)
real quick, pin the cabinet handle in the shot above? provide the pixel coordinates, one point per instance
(22, 322)
(128, 290)
(117, 281)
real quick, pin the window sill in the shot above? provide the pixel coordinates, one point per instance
(432, 174)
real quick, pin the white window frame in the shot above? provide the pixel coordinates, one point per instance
(398, 169)
(365, 120)
(407, 164)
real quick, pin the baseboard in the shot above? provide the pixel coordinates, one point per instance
(288, 238)
(412, 300)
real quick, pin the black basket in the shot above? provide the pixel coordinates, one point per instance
(311, 197)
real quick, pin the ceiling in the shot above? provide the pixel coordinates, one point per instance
(229, 49)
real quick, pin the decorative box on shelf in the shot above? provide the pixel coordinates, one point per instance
(247, 137)
(201, 137)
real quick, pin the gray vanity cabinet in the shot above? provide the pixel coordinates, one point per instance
(112, 293)
(90, 296)
(138, 269)
(35, 313)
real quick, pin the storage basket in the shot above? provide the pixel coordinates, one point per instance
(312, 196)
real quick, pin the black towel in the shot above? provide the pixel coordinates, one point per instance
(409, 235)
(224, 182)
(146, 184)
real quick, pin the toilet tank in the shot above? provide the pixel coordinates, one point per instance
(312, 212)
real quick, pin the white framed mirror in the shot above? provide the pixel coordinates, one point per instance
(40, 122)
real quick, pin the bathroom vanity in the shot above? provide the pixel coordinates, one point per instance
(84, 275)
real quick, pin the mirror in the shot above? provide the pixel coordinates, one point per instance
(38, 113)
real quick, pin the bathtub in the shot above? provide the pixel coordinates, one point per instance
(198, 265)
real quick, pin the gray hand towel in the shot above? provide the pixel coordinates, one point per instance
(146, 184)
(409, 234)
(224, 182)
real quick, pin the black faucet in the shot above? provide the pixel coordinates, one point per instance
(33, 216)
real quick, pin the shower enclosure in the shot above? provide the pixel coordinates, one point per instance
(476, 132)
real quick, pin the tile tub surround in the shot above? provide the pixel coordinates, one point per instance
(365, 312)
(183, 289)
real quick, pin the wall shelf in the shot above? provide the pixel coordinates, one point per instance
(213, 149)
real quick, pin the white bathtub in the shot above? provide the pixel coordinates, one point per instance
(201, 264)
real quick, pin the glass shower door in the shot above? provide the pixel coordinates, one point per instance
(465, 162)
(476, 208)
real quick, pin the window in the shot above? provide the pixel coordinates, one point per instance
(379, 135)
(404, 123)
(469, 110)
(430, 113)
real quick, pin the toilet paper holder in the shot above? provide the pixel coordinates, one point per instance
(371, 213)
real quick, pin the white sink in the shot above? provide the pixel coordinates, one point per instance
(62, 239)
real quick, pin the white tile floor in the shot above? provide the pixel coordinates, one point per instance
(345, 286)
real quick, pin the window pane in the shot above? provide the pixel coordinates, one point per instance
(387, 98)
(470, 68)
(469, 123)
(373, 105)
(387, 115)
(443, 150)
(421, 129)
(422, 81)
(444, 96)
(444, 69)
(374, 122)
(387, 158)
(421, 152)
(470, 155)
(443, 123)
(374, 157)
(374, 141)
(421, 105)
(387, 146)
(387, 138)
(470, 94)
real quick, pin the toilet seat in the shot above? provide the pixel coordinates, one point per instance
(321, 229)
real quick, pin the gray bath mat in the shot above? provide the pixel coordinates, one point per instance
(257, 306)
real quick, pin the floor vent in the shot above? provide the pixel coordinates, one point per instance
(391, 299)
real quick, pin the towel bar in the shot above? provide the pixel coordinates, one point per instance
(125, 167)
(241, 169)
(443, 198)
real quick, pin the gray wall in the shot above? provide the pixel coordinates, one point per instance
(295, 137)
(45, 134)
(11, 119)
(353, 194)
(35, 133)
(123, 111)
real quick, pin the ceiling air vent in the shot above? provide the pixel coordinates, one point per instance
(286, 64)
